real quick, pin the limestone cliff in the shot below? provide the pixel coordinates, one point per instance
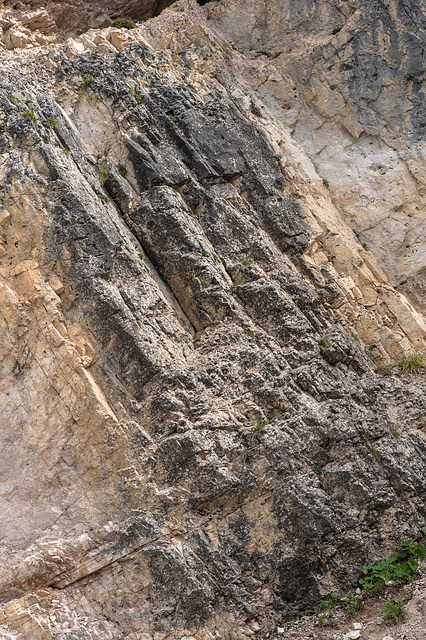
(197, 438)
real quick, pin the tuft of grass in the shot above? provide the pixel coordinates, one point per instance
(171, 117)
(274, 413)
(123, 23)
(122, 169)
(140, 255)
(249, 333)
(244, 454)
(216, 258)
(246, 262)
(393, 612)
(372, 449)
(384, 370)
(46, 140)
(394, 431)
(411, 363)
(235, 284)
(136, 96)
(13, 98)
(103, 175)
(28, 114)
(238, 299)
(52, 122)
(86, 82)
(103, 198)
(323, 344)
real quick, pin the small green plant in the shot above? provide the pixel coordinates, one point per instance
(244, 454)
(28, 114)
(323, 344)
(394, 431)
(393, 612)
(46, 140)
(249, 333)
(384, 370)
(103, 175)
(255, 430)
(325, 183)
(86, 82)
(124, 23)
(51, 122)
(140, 255)
(351, 602)
(274, 413)
(2, 127)
(171, 117)
(216, 258)
(122, 169)
(372, 449)
(235, 284)
(412, 363)
(364, 244)
(399, 568)
(371, 347)
(103, 198)
(317, 470)
(13, 98)
(203, 251)
(245, 261)
(326, 605)
(409, 77)
(278, 157)
(238, 299)
(322, 620)
(136, 96)
(356, 233)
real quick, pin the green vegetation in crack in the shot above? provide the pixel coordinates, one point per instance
(124, 23)
(393, 611)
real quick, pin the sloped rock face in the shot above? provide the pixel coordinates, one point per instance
(347, 79)
(68, 17)
(204, 445)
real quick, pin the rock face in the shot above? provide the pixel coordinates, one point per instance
(69, 17)
(195, 441)
(347, 79)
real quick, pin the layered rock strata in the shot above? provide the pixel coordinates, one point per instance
(190, 334)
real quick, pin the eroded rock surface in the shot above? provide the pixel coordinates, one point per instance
(190, 334)
(347, 79)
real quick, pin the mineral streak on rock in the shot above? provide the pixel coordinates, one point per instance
(195, 442)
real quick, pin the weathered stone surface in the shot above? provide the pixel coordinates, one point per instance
(346, 78)
(189, 337)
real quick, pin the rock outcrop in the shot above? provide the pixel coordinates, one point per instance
(347, 79)
(197, 436)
